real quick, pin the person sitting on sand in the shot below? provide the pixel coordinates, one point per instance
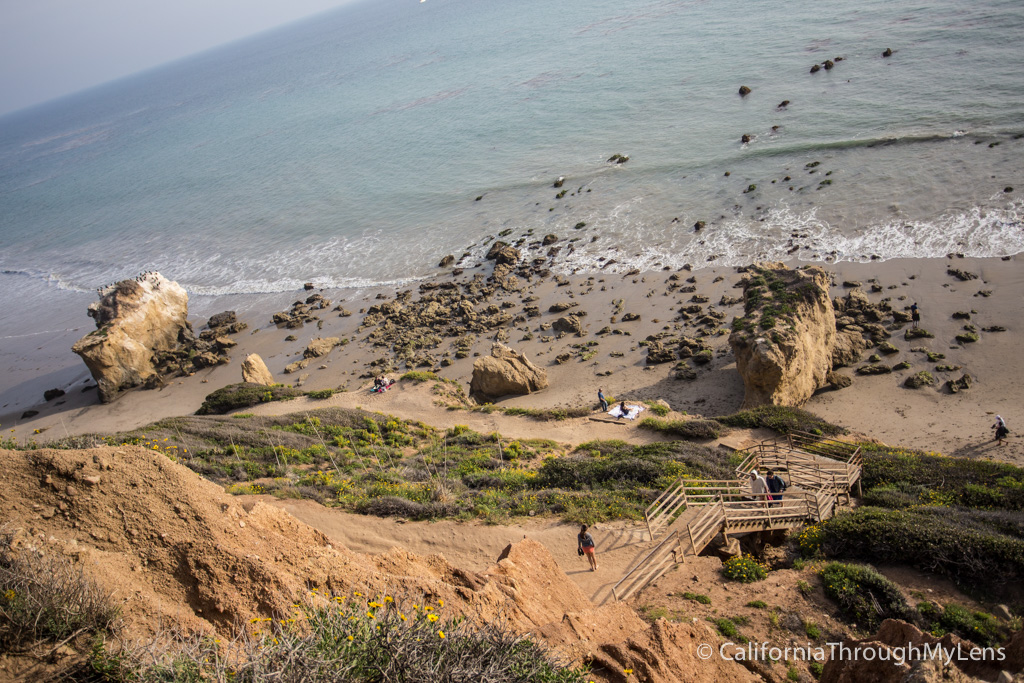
(585, 545)
(623, 410)
(604, 402)
(1001, 430)
(377, 383)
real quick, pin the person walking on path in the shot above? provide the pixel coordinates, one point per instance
(758, 487)
(1001, 430)
(915, 316)
(586, 547)
(775, 487)
(603, 400)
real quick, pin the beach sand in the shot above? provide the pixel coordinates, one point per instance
(878, 407)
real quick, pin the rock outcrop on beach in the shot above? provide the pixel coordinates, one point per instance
(255, 371)
(783, 344)
(505, 372)
(135, 319)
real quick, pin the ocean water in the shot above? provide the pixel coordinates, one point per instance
(350, 149)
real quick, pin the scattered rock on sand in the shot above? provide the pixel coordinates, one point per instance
(51, 394)
(957, 385)
(255, 371)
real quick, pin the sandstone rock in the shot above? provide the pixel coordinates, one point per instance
(955, 386)
(549, 239)
(568, 324)
(560, 306)
(887, 52)
(786, 364)
(296, 366)
(505, 372)
(447, 261)
(135, 319)
(320, 347)
(507, 256)
(884, 665)
(838, 381)
(255, 371)
(496, 246)
(847, 349)
(744, 91)
(222, 320)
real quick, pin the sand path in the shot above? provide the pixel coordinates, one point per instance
(476, 546)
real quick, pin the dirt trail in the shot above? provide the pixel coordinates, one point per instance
(475, 546)
(414, 401)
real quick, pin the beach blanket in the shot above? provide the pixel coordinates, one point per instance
(631, 415)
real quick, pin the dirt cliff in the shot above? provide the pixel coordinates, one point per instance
(173, 548)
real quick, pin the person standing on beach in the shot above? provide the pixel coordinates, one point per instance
(1001, 430)
(603, 400)
(915, 315)
(586, 546)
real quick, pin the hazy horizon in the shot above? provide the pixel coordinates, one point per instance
(51, 49)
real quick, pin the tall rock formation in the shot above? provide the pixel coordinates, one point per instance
(505, 372)
(783, 344)
(135, 319)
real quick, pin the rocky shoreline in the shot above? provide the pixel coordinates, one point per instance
(670, 335)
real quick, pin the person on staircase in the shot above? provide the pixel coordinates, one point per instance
(586, 547)
(776, 486)
(758, 487)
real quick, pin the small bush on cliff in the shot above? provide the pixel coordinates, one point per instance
(782, 419)
(47, 599)
(244, 395)
(385, 640)
(865, 596)
(744, 569)
(978, 627)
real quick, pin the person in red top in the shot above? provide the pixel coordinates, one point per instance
(586, 546)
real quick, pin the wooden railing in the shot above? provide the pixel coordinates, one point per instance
(663, 557)
(819, 469)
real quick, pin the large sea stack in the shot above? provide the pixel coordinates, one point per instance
(135, 319)
(783, 344)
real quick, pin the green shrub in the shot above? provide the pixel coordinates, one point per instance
(782, 419)
(978, 627)
(688, 429)
(659, 409)
(697, 597)
(964, 481)
(549, 414)
(725, 626)
(244, 395)
(812, 630)
(865, 596)
(321, 393)
(816, 669)
(962, 545)
(744, 569)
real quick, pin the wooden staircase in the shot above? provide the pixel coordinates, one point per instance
(692, 512)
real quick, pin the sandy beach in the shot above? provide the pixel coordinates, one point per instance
(877, 406)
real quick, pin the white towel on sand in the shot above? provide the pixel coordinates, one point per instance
(631, 415)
